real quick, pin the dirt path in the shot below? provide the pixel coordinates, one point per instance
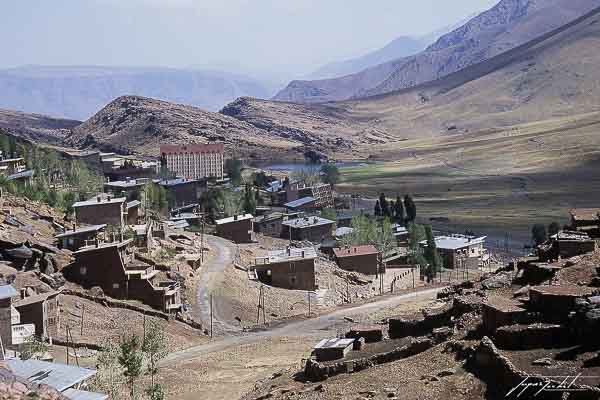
(305, 328)
(210, 273)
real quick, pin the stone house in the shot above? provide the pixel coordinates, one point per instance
(113, 267)
(321, 193)
(41, 310)
(461, 251)
(183, 192)
(313, 229)
(130, 188)
(586, 220)
(238, 229)
(566, 244)
(363, 259)
(303, 204)
(272, 224)
(288, 268)
(102, 210)
(80, 237)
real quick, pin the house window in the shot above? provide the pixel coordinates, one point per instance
(83, 270)
(292, 280)
(115, 285)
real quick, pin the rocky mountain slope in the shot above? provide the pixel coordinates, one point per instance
(79, 92)
(36, 127)
(138, 125)
(507, 25)
(552, 77)
(402, 46)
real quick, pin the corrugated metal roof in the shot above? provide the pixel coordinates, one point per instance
(7, 291)
(456, 242)
(232, 219)
(334, 343)
(307, 222)
(74, 394)
(58, 376)
(355, 251)
(300, 202)
(93, 228)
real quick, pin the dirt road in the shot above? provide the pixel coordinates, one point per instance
(210, 273)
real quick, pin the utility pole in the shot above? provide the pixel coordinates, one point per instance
(202, 241)
(82, 313)
(308, 292)
(67, 335)
(211, 316)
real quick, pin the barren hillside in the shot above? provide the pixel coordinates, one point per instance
(509, 24)
(35, 127)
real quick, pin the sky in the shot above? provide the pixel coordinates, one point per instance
(281, 38)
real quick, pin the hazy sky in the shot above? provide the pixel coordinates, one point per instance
(283, 36)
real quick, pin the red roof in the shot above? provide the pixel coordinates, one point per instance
(355, 251)
(192, 148)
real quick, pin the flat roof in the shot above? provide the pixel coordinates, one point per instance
(35, 298)
(300, 202)
(569, 235)
(74, 394)
(7, 291)
(334, 343)
(236, 218)
(177, 182)
(95, 201)
(87, 229)
(58, 376)
(134, 203)
(103, 246)
(25, 174)
(128, 184)
(343, 231)
(307, 222)
(355, 251)
(290, 253)
(455, 242)
(585, 214)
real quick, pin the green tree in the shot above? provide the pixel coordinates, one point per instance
(309, 175)
(410, 208)
(249, 201)
(553, 228)
(230, 203)
(399, 210)
(329, 213)
(233, 169)
(108, 377)
(33, 348)
(538, 234)
(385, 207)
(377, 209)
(431, 254)
(330, 174)
(416, 234)
(154, 347)
(385, 237)
(131, 359)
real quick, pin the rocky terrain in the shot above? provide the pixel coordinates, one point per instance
(79, 92)
(35, 127)
(507, 25)
(133, 124)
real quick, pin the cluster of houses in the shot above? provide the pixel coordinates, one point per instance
(15, 169)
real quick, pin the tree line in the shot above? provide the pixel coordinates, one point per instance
(401, 210)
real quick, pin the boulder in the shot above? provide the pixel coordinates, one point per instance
(499, 281)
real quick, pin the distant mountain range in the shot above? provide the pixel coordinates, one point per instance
(402, 46)
(79, 92)
(505, 26)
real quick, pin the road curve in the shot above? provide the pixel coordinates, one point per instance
(308, 327)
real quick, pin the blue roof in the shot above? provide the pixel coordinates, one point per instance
(7, 291)
(58, 376)
(300, 202)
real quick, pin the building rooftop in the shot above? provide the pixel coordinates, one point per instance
(300, 202)
(35, 298)
(307, 222)
(288, 254)
(19, 175)
(585, 214)
(134, 203)
(353, 251)
(7, 291)
(11, 160)
(192, 148)
(58, 376)
(343, 231)
(87, 229)
(570, 235)
(334, 343)
(177, 182)
(455, 242)
(127, 183)
(234, 219)
(103, 200)
(103, 246)
(74, 394)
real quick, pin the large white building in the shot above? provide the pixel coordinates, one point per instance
(194, 161)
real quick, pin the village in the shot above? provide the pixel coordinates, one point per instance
(194, 247)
